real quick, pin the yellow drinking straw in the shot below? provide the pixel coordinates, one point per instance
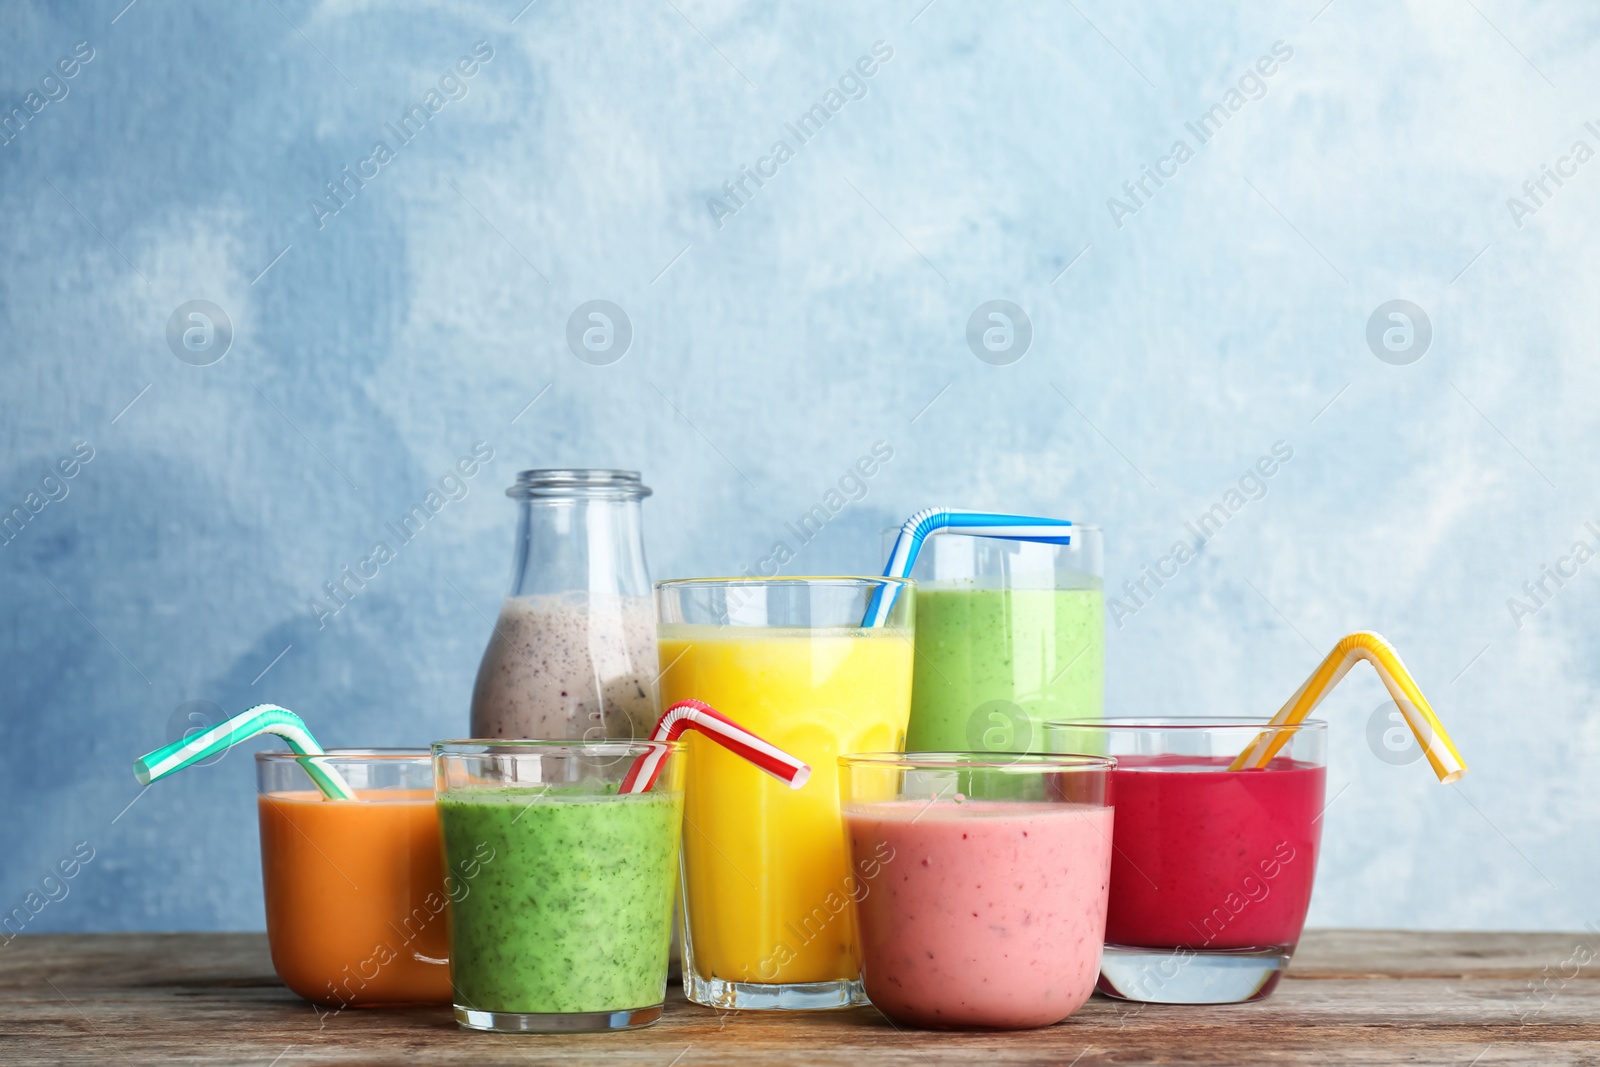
(1365, 644)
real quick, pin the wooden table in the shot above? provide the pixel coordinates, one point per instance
(1362, 997)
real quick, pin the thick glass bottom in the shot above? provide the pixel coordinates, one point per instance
(1192, 976)
(772, 996)
(576, 1022)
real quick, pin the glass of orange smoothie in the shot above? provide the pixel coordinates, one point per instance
(356, 891)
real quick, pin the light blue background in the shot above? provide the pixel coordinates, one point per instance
(829, 313)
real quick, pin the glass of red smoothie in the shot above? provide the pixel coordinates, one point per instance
(1212, 872)
(979, 883)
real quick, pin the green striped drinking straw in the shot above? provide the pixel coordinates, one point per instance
(261, 719)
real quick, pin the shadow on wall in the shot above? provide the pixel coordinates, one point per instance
(142, 586)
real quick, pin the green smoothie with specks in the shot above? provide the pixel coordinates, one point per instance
(992, 664)
(574, 911)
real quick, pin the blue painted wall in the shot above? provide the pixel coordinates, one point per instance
(1178, 331)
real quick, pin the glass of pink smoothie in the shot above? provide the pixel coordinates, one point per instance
(1212, 872)
(979, 883)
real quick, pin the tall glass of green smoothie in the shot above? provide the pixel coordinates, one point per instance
(562, 916)
(1009, 634)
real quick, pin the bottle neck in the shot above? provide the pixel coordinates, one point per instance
(578, 545)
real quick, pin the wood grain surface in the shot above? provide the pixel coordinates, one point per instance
(1352, 997)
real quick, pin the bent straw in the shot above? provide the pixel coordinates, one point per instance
(704, 719)
(924, 524)
(1365, 644)
(261, 719)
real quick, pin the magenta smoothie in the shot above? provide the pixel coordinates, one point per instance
(1209, 858)
(991, 913)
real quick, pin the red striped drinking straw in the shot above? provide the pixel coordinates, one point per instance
(703, 718)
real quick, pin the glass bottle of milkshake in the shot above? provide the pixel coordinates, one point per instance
(573, 653)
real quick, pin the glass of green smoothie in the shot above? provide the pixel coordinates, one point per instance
(1010, 634)
(565, 922)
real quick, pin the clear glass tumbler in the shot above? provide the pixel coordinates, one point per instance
(767, 922)
(980, 883)
(565, 920)
(1009, 634)
(1213, 868)
(355, 890)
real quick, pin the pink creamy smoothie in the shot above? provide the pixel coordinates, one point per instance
(990, 914)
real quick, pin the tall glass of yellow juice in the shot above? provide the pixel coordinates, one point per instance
(767, 883)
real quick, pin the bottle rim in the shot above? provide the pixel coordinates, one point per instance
(557, 482)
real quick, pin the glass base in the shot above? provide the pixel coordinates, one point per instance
(575, 1022)
(773, 996)
(1192, 976)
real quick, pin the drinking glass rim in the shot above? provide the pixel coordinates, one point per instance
(1094, 526)
(799, 579)
(363, 754)
(478, 746)
(1018, 761)
(1193, 722)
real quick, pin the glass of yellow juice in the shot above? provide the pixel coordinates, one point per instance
(767, 882)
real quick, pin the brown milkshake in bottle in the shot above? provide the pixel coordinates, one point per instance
(572, 655)
(563, 667)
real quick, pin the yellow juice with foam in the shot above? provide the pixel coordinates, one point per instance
(768, 881)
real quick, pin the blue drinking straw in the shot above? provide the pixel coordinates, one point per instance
(924, 524)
